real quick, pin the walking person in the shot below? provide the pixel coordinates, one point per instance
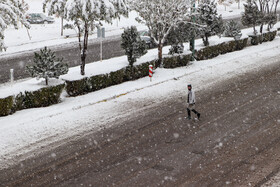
(191, 103)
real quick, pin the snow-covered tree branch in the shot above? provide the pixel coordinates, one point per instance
(208, 15)
(268, 12)
(86, 15)
(11, 12)
(160, 16)
(55, 7)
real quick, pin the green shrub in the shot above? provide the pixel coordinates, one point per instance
(31, 99)
(265, 37)
(176, 61)
(41, 98)
(142, 70)
(117, 77)
(98, 82)
(208, 52)
(170, 62)
(77, 87)
(129, 73)
(241, 44)
(223, 48)
(6, 106)
(269, 36)
(19, 102)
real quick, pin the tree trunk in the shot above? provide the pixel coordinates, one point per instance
(261, 36)
(84, 51)
(255, 32)
(61, 26)
(205, 40)
(83, 64)
(160, 54)
(261, 28)
(47, 81)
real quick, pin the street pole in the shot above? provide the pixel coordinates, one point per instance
(12, 75)
(192, 41)
(101, 35)
(101, 49)
(238, 4)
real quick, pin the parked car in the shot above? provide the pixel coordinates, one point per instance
(39, 18)
(145, 36)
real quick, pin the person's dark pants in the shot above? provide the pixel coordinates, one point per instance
(191, 108)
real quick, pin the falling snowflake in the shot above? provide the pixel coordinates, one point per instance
(253, 167)
(53, 155)
(176, 135)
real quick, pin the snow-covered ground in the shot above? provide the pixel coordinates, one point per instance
(273, 182)
(29, 130)
(32, 129)
(49, 34)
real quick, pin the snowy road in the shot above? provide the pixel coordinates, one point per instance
(236, 143)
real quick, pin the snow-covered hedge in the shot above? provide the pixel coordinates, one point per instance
(223, 48)
(265, 37)
(176, 61)
(31, 99)
(41, 98)
(6, 106)
(97, 82)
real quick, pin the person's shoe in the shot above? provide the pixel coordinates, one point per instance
(189, 117)
(198, 115)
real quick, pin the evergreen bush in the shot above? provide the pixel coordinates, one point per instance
(251, 16)
(46, 65)
(6, 106)
(232, 30)
(212, 23)
(133, 45)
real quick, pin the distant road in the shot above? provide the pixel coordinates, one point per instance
(69, 52)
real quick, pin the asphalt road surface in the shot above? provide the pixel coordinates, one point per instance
(236, 143)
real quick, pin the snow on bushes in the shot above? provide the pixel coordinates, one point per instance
(31, 99)
(265, 37)
(6, 106)
(232, 29)
(97, 82)
(223, 48)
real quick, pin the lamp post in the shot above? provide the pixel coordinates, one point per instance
(192, 41)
